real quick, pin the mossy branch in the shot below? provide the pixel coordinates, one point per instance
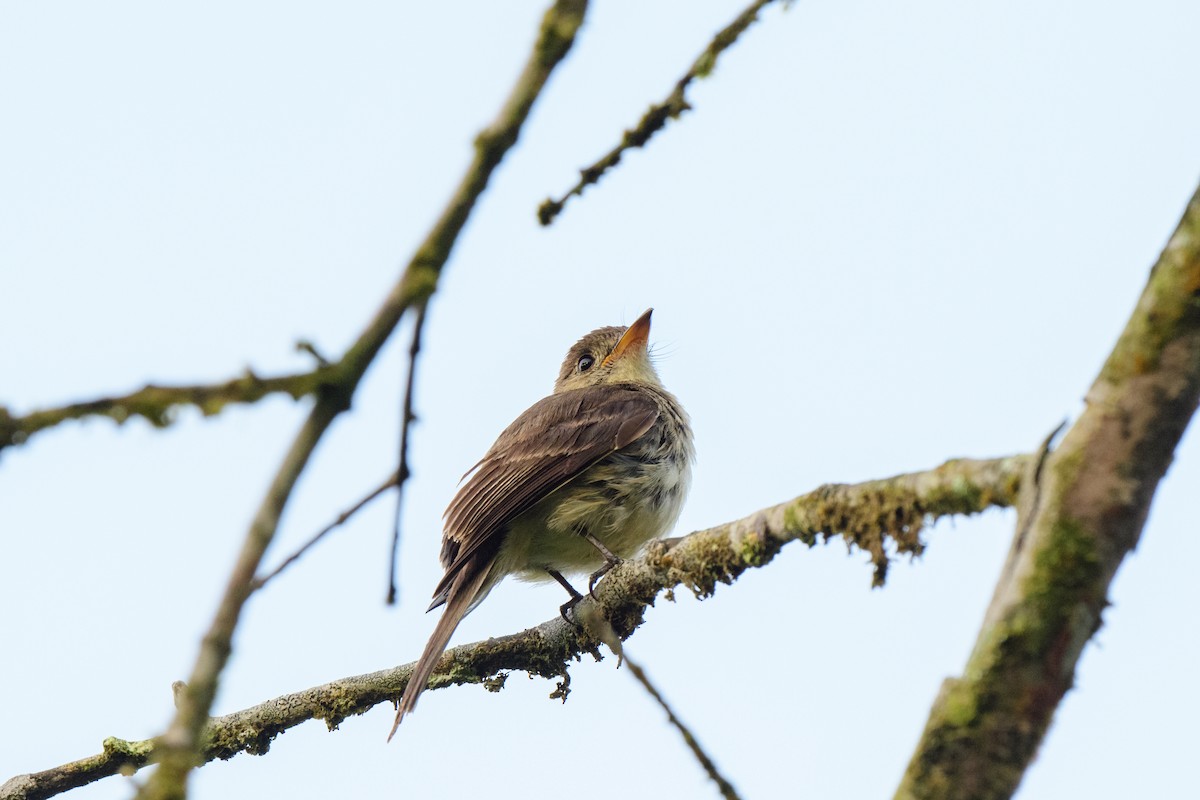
(656, 118)
(1094, 494)
(181, 747)
(865, 515)
(159, 404)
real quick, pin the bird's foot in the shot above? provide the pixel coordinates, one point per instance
(568, 606)
(610, 561)
(566, 609)
(600, 573)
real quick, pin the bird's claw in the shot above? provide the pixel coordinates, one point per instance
(600, 573)
(566, 609)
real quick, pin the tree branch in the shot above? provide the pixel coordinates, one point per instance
(1095, 492)
(407, 418)
(865, 515)
(340, 520)
(180, 748)
(158, 404)
(655, 119)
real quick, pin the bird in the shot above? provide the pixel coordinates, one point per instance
(581, 480)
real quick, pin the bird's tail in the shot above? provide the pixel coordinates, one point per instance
(463, 594)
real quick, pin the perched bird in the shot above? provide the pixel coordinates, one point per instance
(582, 479)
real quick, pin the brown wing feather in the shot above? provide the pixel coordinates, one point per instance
(546, 447)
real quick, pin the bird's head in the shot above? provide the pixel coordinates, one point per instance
(610, 355)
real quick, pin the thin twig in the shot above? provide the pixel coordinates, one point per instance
(407, 417)
(305, 346)
(158, 404)
(180, 748)
(655, 119)
(698, 561)
(342, 518)
(598, 627)
(725, 787)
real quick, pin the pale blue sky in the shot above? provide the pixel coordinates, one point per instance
(888, 235)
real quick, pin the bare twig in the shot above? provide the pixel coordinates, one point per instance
(305, 346)
(655, 119)
(723, 785)
(158, 404)
(1095, 493)
(180, 748)
(407, 418)
(698, 561)
(597, 626)
(342, 518)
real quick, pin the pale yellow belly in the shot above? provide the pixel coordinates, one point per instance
(622, 513)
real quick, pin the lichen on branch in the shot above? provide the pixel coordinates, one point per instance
(1093, 497)
(159, 404)
(866, 513)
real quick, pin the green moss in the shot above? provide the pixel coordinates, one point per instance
(1065, 573)
(421, 278)
(958, 496)
(337, 704)
(958, 707)
(1171, 291)
(997, 714)
(133, 751)
(794, 524)
(755, 551)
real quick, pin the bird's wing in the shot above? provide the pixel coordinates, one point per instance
(554, 441)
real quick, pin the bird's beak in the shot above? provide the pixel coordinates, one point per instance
(635, 338)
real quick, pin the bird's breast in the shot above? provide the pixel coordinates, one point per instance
(625, 500)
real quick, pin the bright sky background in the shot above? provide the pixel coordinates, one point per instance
(889, 234)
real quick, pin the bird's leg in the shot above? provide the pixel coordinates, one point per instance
(610, 561)
(566, 607)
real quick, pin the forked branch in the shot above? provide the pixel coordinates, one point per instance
(181, 748)
(1094, 495)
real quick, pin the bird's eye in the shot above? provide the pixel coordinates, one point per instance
(585, 363)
